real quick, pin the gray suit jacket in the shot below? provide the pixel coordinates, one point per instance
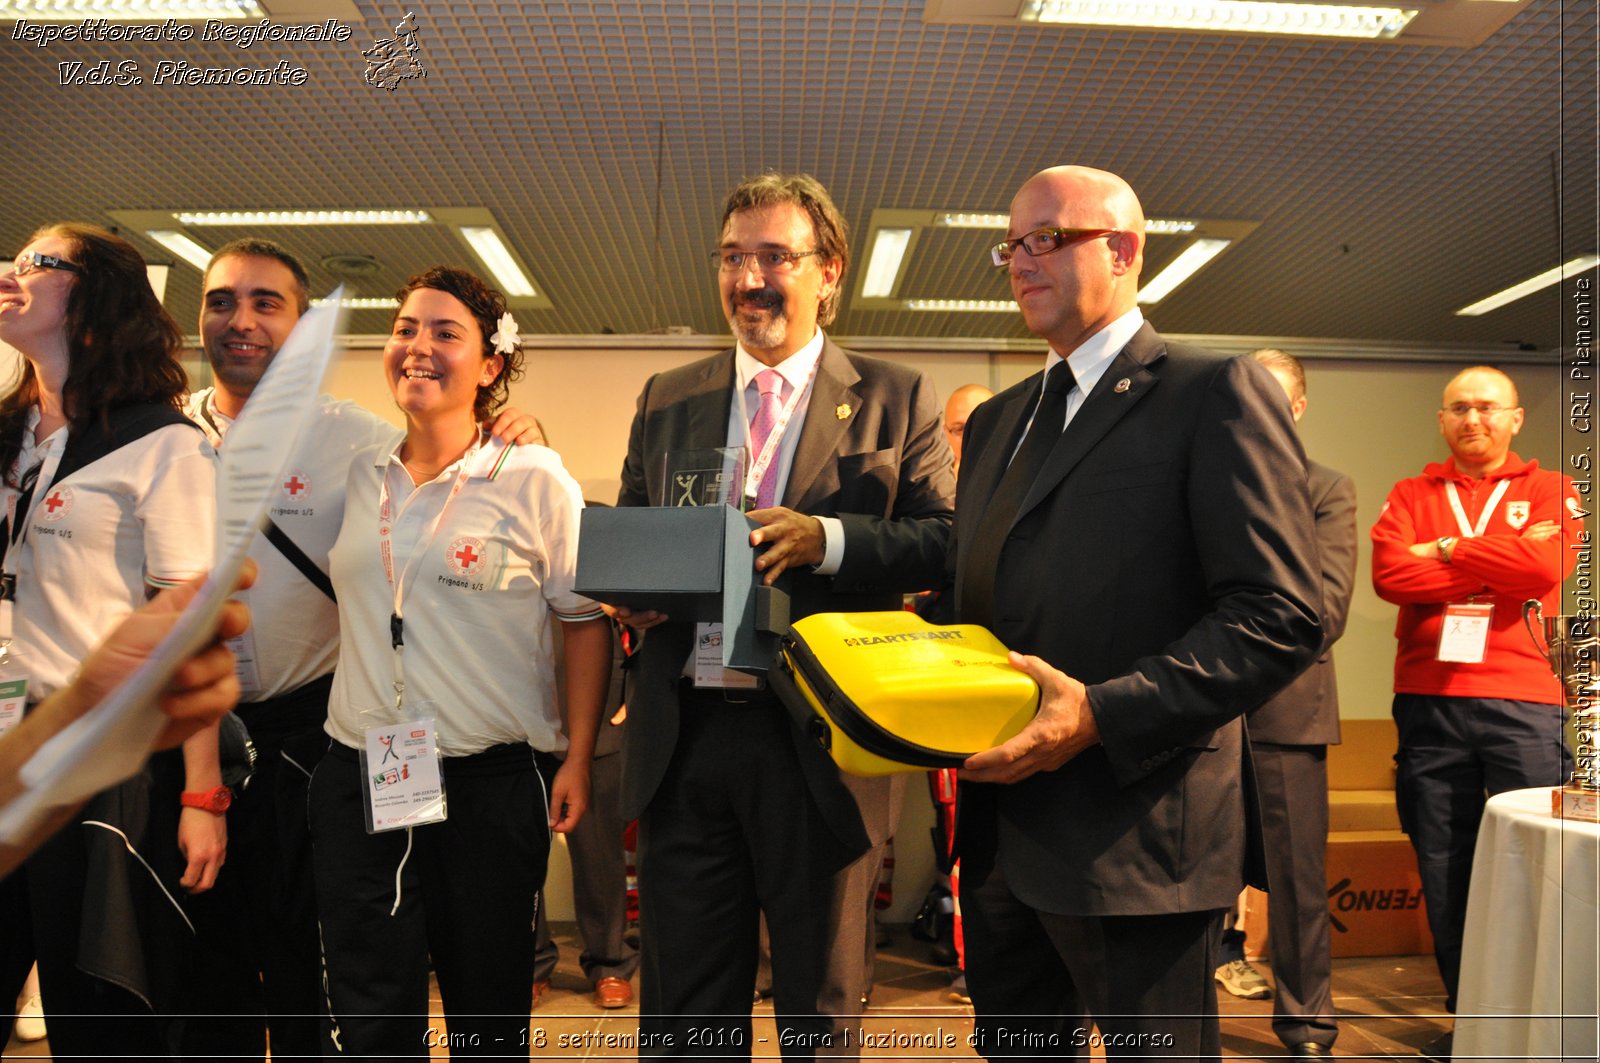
(1306, 712)
(872, 453)
(1165, 558)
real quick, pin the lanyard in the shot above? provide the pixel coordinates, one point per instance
(1467, 530)
(762, 463)
(424, 544)
(55, 448)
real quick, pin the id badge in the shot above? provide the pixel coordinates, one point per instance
(708, 670)
(1464, 634)
(244, 657)
(400, 767)
(13, 690)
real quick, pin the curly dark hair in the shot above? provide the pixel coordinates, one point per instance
(486, 306)
(123, 345)
(807, 193)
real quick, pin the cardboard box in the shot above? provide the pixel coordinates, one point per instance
(1375, 901)
(1364, 757)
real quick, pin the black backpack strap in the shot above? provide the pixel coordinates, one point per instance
(297, 557)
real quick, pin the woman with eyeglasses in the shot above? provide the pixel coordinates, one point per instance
(432, 810)
(108, 494)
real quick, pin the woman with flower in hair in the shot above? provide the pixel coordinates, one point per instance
(431, 813)
(108, 497)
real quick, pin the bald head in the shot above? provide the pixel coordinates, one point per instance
(1483, 375)
(1072, 292)
(963, 400)
(1101, 198)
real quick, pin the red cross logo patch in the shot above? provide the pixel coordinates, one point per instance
(296, 486)
(465, 556)
(56, 504)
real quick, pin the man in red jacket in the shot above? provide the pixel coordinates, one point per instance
(1459, 549)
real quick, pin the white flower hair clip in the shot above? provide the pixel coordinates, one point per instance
(505, 338)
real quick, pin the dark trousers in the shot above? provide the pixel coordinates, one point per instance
(733, 832)
(108, 924)
(461, 893)
(1454, 754)
(1293, 785)
(259, 959)
(16, 945)
(599, 884)
(1039, 979)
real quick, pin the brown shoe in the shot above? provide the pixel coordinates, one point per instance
(613, 993)
(540, 990)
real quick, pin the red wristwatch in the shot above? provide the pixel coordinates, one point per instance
(216, 801)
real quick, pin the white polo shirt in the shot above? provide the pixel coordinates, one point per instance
(140, 517)
(294, 630)
(478, 600)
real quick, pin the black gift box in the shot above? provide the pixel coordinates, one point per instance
(689, 562)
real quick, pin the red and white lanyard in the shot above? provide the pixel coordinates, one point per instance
(386, 551)
(1467, 529)
(762, 462)
(55, 448)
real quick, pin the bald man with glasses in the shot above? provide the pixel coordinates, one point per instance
(1459, 549)
(1134, 519)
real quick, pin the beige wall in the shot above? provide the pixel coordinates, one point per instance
(1373, 420)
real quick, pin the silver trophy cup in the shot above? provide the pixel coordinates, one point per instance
(1570, 645)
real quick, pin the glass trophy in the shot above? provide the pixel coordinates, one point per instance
(1572, 649)
(710, 477)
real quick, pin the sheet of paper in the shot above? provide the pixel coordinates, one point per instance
(111, 743)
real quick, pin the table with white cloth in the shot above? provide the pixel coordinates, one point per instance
(1531, 954)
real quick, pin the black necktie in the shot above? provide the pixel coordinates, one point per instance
(977, 585)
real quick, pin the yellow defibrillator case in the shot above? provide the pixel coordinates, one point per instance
(889, 692)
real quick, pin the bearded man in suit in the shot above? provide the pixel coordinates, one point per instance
(1154, 563)
(851, 483)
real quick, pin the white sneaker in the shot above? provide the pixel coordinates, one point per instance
(1243, 980)
(30, 1020)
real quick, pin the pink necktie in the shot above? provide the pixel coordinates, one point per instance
(770, 384)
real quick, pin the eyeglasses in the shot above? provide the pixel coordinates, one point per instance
(29, 261)
(1485, 410)
(729, 261)
(1042, 242)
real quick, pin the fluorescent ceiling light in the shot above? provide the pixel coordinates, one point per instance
(303, 217)
(883, 265)
(361, 302)
(974, 220)
(1180, 269)
(127, 10)
(980, 306)
(496, 258)
(1226, 16)
(180, 245)
(1529, 286)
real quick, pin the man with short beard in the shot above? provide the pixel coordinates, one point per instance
(740, 814)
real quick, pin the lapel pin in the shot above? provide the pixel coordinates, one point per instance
(1122, 385)
(842, 410)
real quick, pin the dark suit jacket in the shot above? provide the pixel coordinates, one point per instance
(1165, 558)
(872, 453)
(1306, 712)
